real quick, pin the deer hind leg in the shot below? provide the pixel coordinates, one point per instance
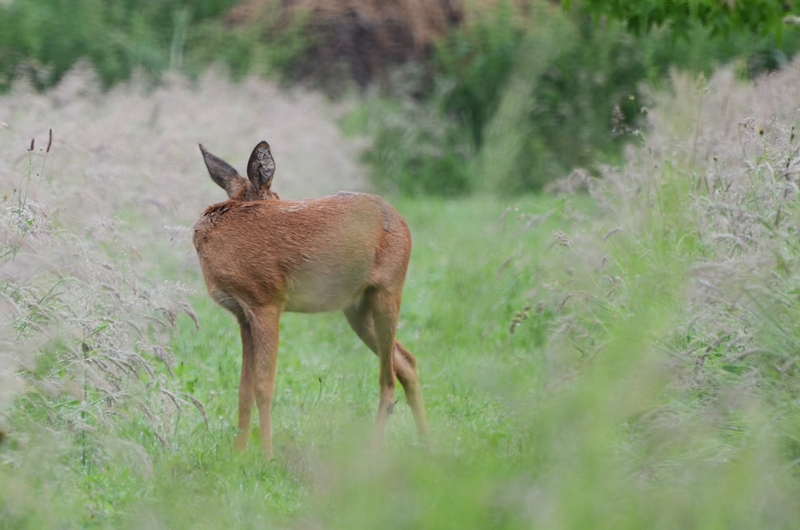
(405, 365)
(246, 384)
(265, 323)
(384, 316)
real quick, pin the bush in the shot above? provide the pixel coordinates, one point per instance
(539, 93)
(529, 102)
(474, 62)
(43, 39)
(415, 150)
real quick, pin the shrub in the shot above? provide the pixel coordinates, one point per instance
(416, 151)
(531, 98)
(474, 63)
(540, 92)
(44, 39)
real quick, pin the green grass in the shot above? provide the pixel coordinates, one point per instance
(455, 317)
(460, 297)
(572, 421)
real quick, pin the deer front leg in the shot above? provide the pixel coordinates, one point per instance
(265, 323)
(246, 385)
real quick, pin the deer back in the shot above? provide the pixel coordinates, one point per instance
(308, 255)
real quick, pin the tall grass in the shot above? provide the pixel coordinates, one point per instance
(664, 394)
(90, 391)
(623, 357)
(678, 316)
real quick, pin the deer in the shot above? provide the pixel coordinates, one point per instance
(262, 256)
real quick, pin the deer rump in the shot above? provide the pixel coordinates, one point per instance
(309, 256)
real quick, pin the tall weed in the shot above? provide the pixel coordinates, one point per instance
(674, 316)
(87, 367)
(90, 225)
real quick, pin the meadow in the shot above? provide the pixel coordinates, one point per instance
(618, 353)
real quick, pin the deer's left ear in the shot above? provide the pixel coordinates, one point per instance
(261, 167)
(222, 173)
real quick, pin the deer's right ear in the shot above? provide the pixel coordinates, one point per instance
(221, 172)
(261, 167)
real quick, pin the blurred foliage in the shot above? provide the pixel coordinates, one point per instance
(539, 93)
(269, 44)
(414, 150)
(762, 18)
(531, 101)
(477, 59)
(514, 96)
(42, 39)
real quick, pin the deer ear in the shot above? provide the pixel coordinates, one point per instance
(261, 167)
(221, 172)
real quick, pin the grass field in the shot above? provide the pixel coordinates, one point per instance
(455, 311)
(471, 265)
(620, 357)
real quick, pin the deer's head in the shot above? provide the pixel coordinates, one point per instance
(260, 170)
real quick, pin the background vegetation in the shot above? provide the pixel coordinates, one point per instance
(457, 87)
(544, 92)
(43, 40)
(618, 353)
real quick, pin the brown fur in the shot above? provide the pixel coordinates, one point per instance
(262, 256)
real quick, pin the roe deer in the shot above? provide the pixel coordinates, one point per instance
(261, 256)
